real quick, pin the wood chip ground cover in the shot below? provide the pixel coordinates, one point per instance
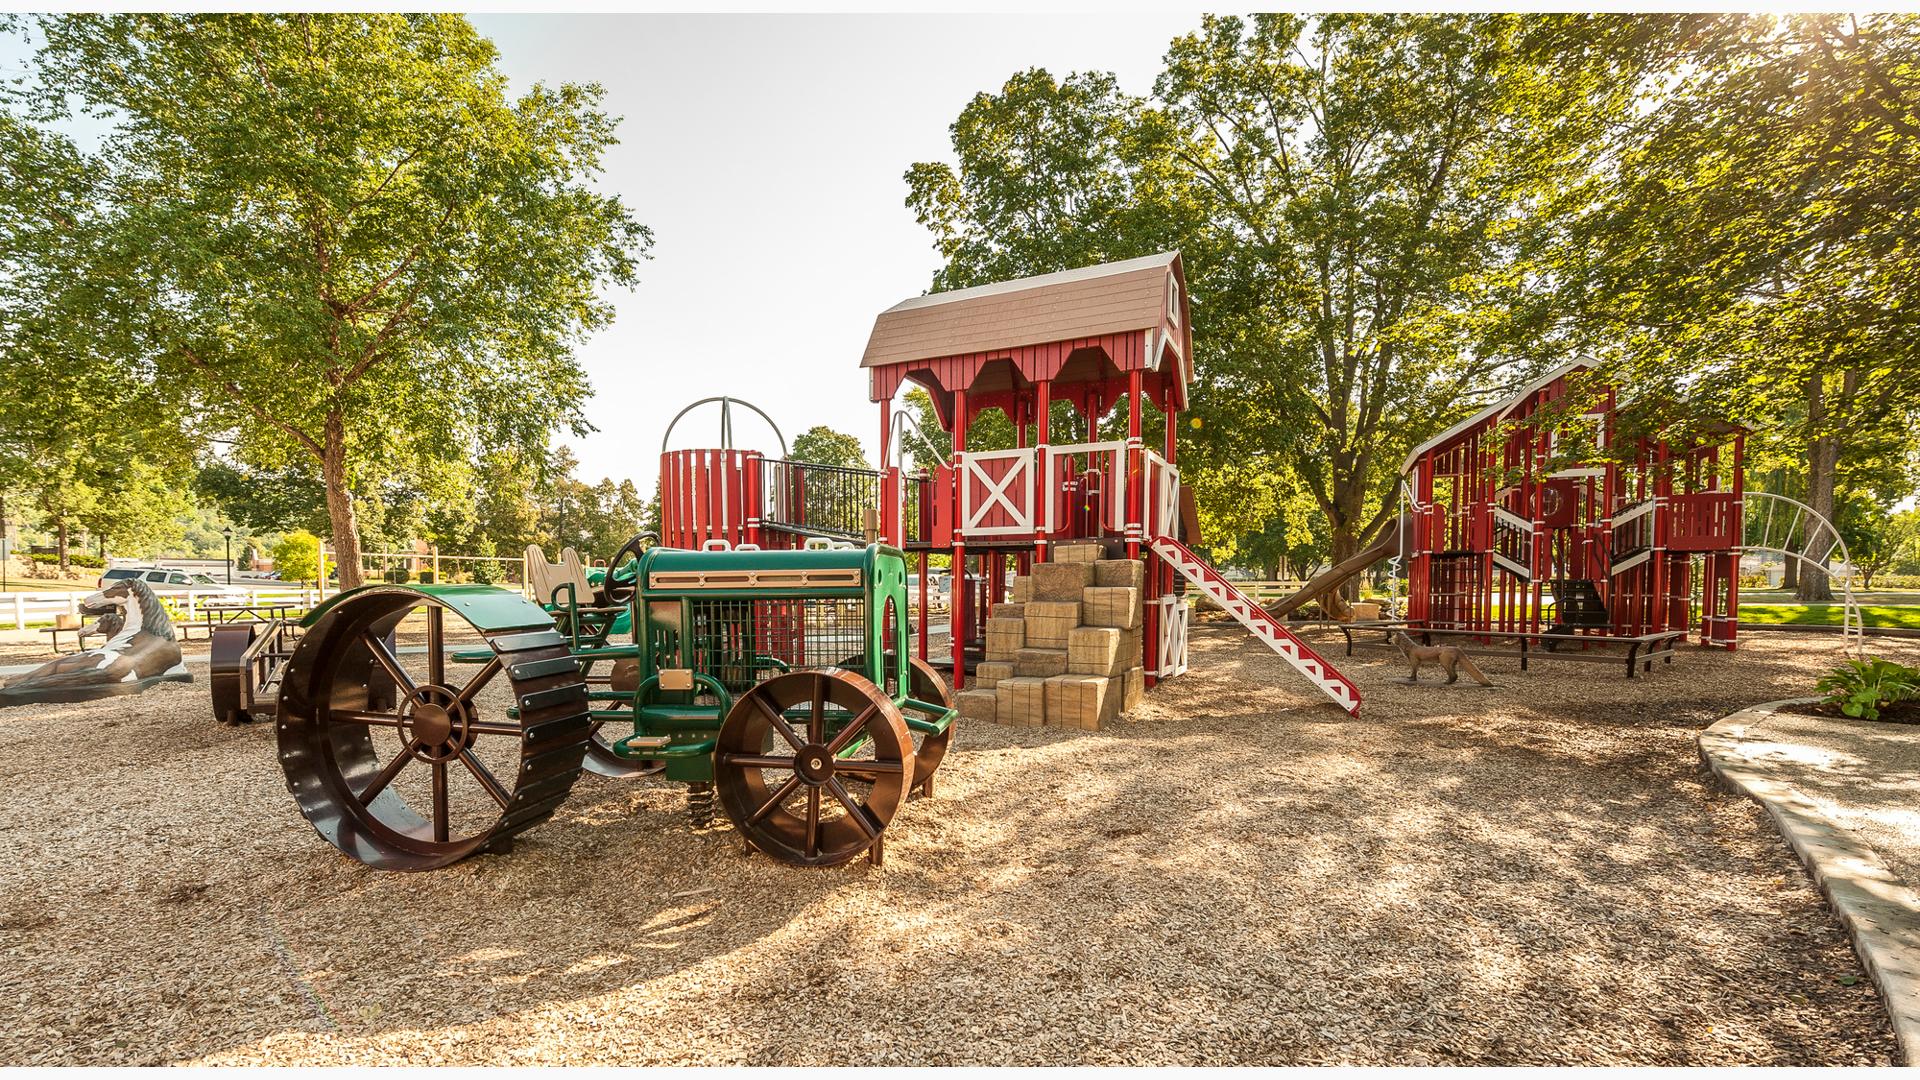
(1531, 873)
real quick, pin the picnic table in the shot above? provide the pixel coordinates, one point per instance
(1641, 649)
(80, 635)
(217, 613)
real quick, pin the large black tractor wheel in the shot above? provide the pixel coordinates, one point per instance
(406, 765)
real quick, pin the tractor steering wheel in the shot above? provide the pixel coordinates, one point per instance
(616, 589)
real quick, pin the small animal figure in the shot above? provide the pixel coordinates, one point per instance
(1447, 656)
(140, 650)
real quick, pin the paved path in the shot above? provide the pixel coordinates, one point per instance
(1840, 791)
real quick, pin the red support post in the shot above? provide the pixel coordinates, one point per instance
(1046, 496)
(1134, 478)
(956, 611)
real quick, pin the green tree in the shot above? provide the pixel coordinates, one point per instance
(821, 445)
(1746, 251)
(337, 235)
(1355, 197)
(296, 556)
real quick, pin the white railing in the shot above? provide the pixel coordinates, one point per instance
(21, 610)
(1162, 480)
(1028, 491)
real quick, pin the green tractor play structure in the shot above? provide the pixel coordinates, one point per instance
(777, 682)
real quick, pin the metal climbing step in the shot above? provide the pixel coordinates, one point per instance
(1258, 622)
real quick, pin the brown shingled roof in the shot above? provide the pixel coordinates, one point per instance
(1093, 300)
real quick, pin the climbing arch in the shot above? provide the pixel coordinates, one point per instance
(1794, 530)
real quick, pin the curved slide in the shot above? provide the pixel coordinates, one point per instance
(1328, 580)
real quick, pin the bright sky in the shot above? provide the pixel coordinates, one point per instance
(767, 155)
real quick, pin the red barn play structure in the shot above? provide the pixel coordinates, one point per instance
(1540, 516)
(1096, 338)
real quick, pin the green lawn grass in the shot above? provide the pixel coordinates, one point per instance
(1902, 615)
(40, 585)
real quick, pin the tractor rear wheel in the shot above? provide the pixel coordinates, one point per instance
(923, 684)
(443, 768)
(784, 780)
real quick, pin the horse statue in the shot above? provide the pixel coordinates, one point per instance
(140, 650)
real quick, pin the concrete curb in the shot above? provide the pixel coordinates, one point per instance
(1874, 905)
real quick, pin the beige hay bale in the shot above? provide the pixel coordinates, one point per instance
(981, 705)
(1095, 650)
(1117, 607)
(988, 673)
(1049, 622)
(1133, 689)
(1061, 581)
(1005, 638)
(1077, 553)
(1077, 701)
(1021, 590)
(1007, 611)
(1022, 702)
(1130, 643)
(1040, 663)
(1120, 574)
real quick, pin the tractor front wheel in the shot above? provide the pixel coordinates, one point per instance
(812, 765)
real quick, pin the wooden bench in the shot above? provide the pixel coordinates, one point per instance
(1641, 649)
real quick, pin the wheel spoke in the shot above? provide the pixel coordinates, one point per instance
(847, 733)
(813, 821)
(480, 678)
(385, 658)
(756, 761)
(356, 716)
(779, 797)
(481, 727)
(816, 723)
(487, 780)
(440, 829)
(860, 767)
(436, 646)
(854, 810)
(391, 770)
(779, 722)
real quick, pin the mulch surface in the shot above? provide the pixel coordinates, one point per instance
(1533, 873)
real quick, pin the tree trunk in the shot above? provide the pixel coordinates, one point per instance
(1823, 457)
(63, 545)
(1790, 574)
(340, 516)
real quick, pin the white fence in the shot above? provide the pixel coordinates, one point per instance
(20, 610)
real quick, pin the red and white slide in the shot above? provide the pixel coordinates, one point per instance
(1262, 625)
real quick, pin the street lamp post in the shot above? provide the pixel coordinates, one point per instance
(228, 533)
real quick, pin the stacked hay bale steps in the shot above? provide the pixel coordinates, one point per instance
(1065, 650)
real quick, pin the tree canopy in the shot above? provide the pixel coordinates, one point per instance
(1390, 220)
(336, 238)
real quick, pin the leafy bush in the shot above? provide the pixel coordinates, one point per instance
(74, 558)
(399, 575)
(1861, 688)
(426, 577)
(1895, 581)
(296, 557)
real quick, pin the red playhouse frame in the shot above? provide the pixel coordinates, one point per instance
(1093, 337)
(1523, 524)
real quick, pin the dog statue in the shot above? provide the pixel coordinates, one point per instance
(140, 650)
(1447, 656)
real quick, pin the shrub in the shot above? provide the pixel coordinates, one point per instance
(296, 557)
(1861, 688)
(399, 575)
(426, 577)
(74, 558)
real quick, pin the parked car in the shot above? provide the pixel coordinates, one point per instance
(164, 581)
